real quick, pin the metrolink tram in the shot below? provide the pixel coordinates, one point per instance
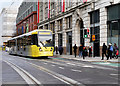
(37, 43)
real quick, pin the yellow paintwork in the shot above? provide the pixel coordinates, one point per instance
(34, 33)
(35, 52)
(40, 33)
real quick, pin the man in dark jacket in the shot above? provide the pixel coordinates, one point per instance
(104, 48)
(75, 49)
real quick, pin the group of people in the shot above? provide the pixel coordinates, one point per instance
(110, 51)
(59, 49)
(83, 52)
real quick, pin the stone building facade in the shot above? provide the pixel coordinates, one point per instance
(7, 24)
(69, 27)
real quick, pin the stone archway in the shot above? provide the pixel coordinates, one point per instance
(79, 39)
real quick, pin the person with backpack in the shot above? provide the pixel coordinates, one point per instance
(110, 50)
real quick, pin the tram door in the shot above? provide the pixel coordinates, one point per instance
(69, 43)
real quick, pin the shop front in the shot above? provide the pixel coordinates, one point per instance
(114, 25)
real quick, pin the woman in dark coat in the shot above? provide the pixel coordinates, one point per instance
(104, 48)
(75, 49)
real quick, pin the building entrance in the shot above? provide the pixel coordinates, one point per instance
(96, 48)
(69, 43)
(81, 37)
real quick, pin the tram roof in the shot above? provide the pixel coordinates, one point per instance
(27, 34)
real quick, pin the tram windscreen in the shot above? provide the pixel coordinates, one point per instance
(45, 38)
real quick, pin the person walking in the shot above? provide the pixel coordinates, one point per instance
(80, 50)
(90, 52)
(75, 49)
(84, 50)
(56, 49)
(110, 50)
(115, 51)
(60, 50)
(104, 48)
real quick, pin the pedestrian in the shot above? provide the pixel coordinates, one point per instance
(75, 49)
(90, 52)
(60, 50)
(110, 50)
(115, 51)
(84, 50)
(80, 50)
(56, 49)
(104, 48)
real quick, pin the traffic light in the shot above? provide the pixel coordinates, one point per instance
(86, 33)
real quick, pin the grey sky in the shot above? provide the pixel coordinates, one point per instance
(9, 3)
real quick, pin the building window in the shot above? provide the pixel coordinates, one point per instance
(113, 12)
(69, 22)
(94, 17)
(41, 11)
(52, 26)
(60, 25)
(59, 6)
(46, 10)
(95, 28)
(60, 39)
(52, 12)
(68, 4)
(113, 25)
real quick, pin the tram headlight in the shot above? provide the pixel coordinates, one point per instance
(51, 49)
(40, 49)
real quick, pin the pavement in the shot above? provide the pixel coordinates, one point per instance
(88, 59)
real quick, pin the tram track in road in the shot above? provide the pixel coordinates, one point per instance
(49, 68)
(68, 81)
(30, 80)
(61, 77)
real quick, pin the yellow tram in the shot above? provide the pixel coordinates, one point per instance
(36, 43)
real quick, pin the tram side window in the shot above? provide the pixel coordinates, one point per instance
(18, 44)
(34, 39)
(28, 40)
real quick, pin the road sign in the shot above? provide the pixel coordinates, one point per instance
(93, 37)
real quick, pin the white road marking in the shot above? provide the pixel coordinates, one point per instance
(45, 63)
(59, 76)
(76, 70)
(114, 74)
(24, 74)
(70, 64)
(61, 67)
(53, 65)
(88, 66)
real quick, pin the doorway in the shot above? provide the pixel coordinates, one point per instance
(96, 48)
(69, 43)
